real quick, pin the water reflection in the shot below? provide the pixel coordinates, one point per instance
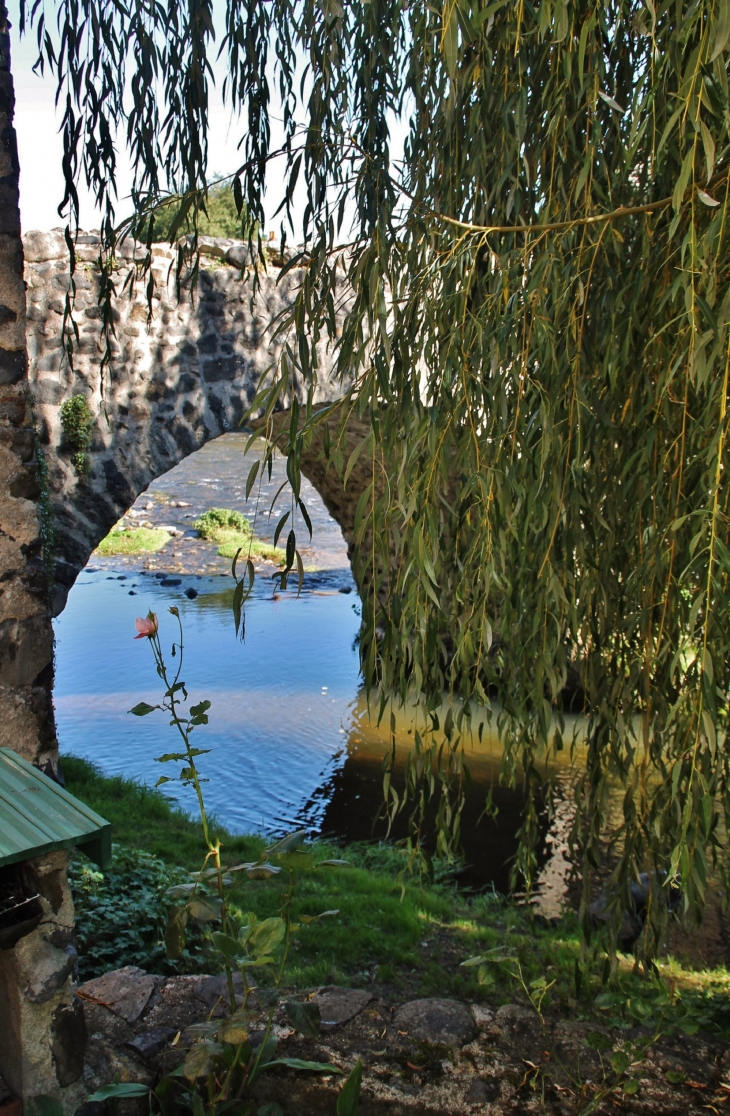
(279, 701)
(353, 799)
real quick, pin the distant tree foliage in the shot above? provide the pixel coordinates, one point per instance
(219, 219)
(539, 338)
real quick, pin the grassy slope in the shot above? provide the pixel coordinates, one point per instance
(374, 927)
(411, 939)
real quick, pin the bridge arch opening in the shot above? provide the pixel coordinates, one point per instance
(279, 701)
(178, 385)
(177, 380)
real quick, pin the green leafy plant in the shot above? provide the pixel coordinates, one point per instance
(121, 916)
(222, 1063)
(77, 423)
(535, 990)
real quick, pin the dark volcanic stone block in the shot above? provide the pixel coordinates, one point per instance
(223, 368)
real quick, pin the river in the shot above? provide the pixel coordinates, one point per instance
(292, 742)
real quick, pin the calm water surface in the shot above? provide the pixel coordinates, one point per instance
(290, 736)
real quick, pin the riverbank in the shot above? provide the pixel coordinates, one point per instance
(396, 937)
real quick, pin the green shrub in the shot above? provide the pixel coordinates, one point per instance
(232, 532)
(77, 423)
(215, 520)
(121, 916)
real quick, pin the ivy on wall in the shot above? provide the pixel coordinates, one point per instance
(77, 422)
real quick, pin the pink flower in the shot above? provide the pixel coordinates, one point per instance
(146, 627)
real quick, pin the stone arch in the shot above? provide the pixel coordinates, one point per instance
(175, 382)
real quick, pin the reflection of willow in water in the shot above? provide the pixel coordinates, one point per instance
(354, 800)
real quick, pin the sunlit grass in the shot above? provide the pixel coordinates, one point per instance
(135, 540)
(232, 532)
(411, 936)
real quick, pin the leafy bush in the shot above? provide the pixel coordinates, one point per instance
(221, 519)
(121, 916)
(222, 217)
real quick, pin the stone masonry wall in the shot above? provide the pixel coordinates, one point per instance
(42, 1030)
(176, 382)
(26, 640)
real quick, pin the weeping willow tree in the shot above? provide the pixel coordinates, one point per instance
(536, 334)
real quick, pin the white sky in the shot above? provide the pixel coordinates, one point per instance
(40, 145)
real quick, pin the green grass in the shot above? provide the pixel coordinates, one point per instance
(144, 819)
(137, 540)
(374, 926)
(232, 532)
(396, 934)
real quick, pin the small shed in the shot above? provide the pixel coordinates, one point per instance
(38, 816)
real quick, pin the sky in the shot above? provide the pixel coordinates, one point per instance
(40, 146)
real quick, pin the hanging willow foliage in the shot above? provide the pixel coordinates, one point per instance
(537, 336)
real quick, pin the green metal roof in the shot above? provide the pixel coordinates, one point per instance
(38, 816)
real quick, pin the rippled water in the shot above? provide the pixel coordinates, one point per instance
(291, 739)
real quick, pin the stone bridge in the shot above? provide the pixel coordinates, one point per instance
(174, 383)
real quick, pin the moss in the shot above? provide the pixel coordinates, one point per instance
(137, 540)
(232, 532)
(48, 532)
(77, 423)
